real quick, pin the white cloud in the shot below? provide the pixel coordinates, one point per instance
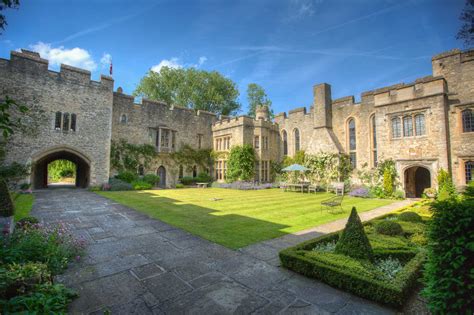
(176, 63)
(170, 63)
(76, 57)
(106, 60)
(202, 60)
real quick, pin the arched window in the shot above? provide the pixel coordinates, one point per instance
(57, 121)
(420, 124)
(469, 171)
(374, 141)
(407, 126)
(396, 128)
(297, 140)
(73, 122)
(66, 121)
(194, 171)
(352, 142)
(181, 172)
(123, 119)
(285, 142)
(467, 121)
(141, 170)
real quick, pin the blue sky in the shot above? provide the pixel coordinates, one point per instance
(285, 46)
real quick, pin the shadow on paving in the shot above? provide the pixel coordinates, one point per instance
(138, 265)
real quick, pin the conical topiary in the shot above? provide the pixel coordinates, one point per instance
(353, 242)
(6, 204)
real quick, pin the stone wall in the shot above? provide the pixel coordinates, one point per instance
(26, 78)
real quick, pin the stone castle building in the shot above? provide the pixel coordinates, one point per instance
(423, 126)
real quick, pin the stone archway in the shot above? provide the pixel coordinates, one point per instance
(417, 179)
(162, 173)
(39, 174)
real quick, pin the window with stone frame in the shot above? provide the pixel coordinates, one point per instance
(123, 119)
(73, 122)
(66, 122)
(420, 129)
(165, 138)
(180, 172)
(297, 139)
(256, 142)
(265, 143)
(396, 127)
(285, 142)
(199, 141)
(467, 120)
(264, 171)
(407, 126)
(374, 141)
(469, 171)
(57, 120)
(352, 142)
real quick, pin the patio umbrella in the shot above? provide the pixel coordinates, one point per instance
(294, 168)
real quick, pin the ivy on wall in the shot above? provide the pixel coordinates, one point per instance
(188, 157)
(241, 163)
(328, 167)
(127, 157)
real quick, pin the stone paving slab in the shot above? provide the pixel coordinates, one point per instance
(138, 265)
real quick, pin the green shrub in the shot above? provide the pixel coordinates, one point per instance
(353, 241)
(141, 185)
(469, 192)
(95, 188)
(26, 221)
(410, 216)
(25, 186)
(152, 179)
(119, 185)
(203, 178)
(187, 180)
(46, 298)
(241, 163)
(398, 194)
(179, 186)
(388, 182)
(449, 280)
(445, 183)
(6, 203)
(419, 239)
(127, 176)
(19, 279)
(388, 228)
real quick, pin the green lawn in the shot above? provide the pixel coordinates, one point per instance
(237, 218)
(23, 204)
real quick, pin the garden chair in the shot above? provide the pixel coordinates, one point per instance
(332, 203)
(338, 188)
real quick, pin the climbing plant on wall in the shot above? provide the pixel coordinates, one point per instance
(188, 157)
(241, 163)
(328, 167)
(127, 157)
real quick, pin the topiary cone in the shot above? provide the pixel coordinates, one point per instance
(353, 241)
(6, 204)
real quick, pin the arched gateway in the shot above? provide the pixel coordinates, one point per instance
(39, 174)
(417, 179)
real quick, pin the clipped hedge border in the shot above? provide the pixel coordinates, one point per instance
(392, 293)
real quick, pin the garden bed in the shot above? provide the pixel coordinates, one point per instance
(389, 280)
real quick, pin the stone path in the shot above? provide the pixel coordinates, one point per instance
(138, 265)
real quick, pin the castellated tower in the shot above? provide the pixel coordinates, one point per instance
(323, 138)
(262, 113)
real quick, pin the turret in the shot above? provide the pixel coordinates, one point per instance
(262, 113)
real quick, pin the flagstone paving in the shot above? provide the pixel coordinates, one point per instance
(138, 265)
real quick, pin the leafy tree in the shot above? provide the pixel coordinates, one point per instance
(387, 182)
(192, 88)
(466, 33)
(6, 4)
(353, 241)
(241, 163)
(256, 96)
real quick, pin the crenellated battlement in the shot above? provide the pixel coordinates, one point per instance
(30, 62)
(231, 122)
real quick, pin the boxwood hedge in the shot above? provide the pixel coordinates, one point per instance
(345, 272)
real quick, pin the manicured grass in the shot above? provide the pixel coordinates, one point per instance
(23, 204)
(237, 218)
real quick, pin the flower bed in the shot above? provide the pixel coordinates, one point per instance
(389, 279)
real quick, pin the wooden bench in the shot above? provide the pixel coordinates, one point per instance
(332, 203)
(202, 185)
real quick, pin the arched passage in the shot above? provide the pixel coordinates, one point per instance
(162, 173)
(417, 179)
(39, 173)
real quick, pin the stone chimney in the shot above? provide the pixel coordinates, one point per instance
(322, 105)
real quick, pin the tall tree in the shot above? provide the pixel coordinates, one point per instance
(256, 96)
(192, 88)
(466, 33)
(6, 4)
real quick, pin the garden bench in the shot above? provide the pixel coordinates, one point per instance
(201, 185)
(332, 203)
